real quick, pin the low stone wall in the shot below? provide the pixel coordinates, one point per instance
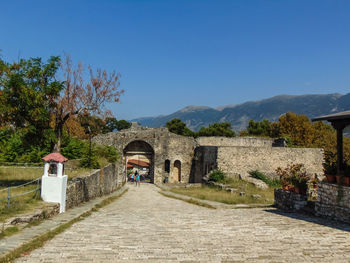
(235, 141)
(289, 201)
(242, 160)
(101, 182)
(333, 201)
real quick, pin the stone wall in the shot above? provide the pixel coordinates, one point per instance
(101, 182)
(289, 201)
(235, 141)
(333, 201)
(242, 160)
(204, 161)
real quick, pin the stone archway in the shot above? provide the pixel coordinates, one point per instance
(177, 171)
(139, 155)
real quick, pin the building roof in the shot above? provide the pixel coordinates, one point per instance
(344, 115)
(138, 163)
(55, 157)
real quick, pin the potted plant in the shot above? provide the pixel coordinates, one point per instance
(330, 171)
(314, 181)
(294, 176)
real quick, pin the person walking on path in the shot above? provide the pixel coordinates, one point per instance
(137, 178)
(132, 177)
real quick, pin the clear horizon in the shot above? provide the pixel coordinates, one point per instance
(172, 54)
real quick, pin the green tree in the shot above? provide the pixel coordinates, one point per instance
(217, 129)
(112, 124)
(177, 126)
(28, 90)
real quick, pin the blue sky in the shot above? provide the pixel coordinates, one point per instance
(172, 54)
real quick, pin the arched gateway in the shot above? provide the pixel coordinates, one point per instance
(139, 155)
(149, 150)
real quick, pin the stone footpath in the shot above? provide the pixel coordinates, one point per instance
(28, 234)
(145, 226)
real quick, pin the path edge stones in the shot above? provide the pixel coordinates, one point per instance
(19, 244)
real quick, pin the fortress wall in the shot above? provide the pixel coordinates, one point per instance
(235, 141)
(241, 160)
(101, 182)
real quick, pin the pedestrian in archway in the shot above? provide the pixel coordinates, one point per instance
(137, 177)
(132, 177)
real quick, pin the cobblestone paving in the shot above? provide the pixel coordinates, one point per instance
(144, 226)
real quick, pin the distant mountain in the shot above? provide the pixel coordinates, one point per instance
(239, 115)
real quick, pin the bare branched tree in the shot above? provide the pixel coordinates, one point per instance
(88, 97)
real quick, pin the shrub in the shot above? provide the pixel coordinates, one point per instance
(90, 160)
(74, 148)
(108, 152)
(270, 182)
(217, 176)
(294, 175)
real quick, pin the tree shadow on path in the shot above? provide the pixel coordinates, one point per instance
(312, 219)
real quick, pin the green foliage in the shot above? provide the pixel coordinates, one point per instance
(270, 182)
(113, 124)
(217, 176)
(108, 152)
(263, 128)
(28, 90)
(74, 148)
(217, 129)
(90, 160)
(178, 127)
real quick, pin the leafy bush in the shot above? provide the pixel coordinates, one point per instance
(294, 175)
(90, 160)
(108, 152)
(270, 182)
(217, 176)
(74, 148)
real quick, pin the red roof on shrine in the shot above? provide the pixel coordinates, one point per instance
(56, 157)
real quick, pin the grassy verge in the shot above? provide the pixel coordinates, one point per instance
(217, 195)
(191, 201)
(21, 204)
(40, 241)
(8, 232)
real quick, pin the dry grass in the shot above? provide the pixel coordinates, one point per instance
(191, 201)
(215, 194)
(15, 175)
(19, 205)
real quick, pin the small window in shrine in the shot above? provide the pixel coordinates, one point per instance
(53, 169)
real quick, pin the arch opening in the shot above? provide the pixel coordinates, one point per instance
(139, 156)
(177, 172)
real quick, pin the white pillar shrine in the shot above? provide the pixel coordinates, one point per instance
(54, 181)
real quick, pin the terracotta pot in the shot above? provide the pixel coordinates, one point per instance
(330, 178)
(300, 190)
(346, 181)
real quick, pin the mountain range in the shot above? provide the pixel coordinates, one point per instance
(239, 115)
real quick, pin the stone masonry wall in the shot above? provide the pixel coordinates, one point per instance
(333, 201)
(289, 201)
(101, 182)
(242, 160)
(235, 141)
